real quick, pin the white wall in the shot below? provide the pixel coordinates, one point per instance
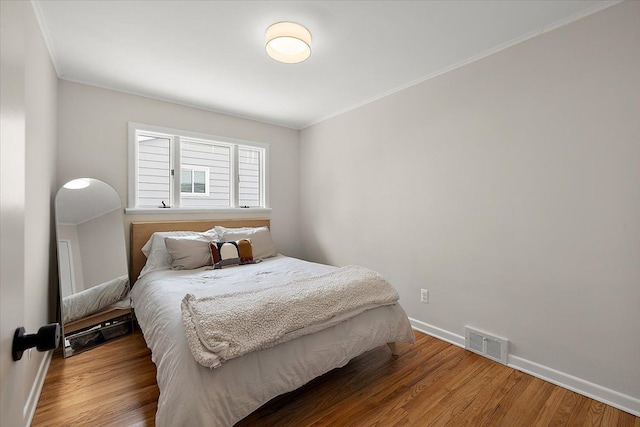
(92, 142)
(28, 90)
(510, 189)
(101, 242)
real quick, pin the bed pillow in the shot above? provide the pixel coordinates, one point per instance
(225, 254)
(260, 238)
(188, 253)
(156, 250)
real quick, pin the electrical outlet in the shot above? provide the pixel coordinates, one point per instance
(424, 296)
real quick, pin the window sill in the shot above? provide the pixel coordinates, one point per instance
(145, 211)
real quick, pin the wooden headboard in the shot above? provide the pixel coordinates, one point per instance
(141, 232)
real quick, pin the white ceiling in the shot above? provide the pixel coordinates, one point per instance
(210, 54)
(78, 206)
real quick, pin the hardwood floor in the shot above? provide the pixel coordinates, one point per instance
(429, 384)
(110, 385)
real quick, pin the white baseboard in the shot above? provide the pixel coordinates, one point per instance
(594, 391)
(34, 395)
(436, 332)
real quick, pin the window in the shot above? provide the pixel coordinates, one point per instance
(194, 181)
(249, 173)
(179, 169)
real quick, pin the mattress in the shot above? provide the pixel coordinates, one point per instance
(191, 394)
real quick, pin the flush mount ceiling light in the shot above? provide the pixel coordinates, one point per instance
(77, 184)
(288, 42)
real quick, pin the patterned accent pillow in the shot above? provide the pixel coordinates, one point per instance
(260, 237)
(225, 254)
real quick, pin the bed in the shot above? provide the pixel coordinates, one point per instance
(95, 299)
(192, 394)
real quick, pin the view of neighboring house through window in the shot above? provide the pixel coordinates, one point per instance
(179, 170)
(205, 174)
(249, 172)
(154, 170)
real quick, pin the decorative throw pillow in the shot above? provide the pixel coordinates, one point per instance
(260, 237)
(226, 254)
(188, 253)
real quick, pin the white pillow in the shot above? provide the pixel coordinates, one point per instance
(155, 249)
(261, 243)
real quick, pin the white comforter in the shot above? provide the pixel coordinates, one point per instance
(94, 299)
(192, 395)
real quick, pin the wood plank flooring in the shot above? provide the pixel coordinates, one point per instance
(110, 385)
(431, 383)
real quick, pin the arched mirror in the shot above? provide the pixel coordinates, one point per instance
(93, 275)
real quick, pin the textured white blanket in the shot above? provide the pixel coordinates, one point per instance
(221, 327)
